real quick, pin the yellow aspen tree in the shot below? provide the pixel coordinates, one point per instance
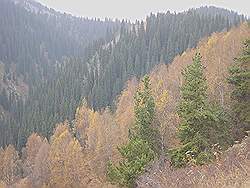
(66, 160)
(41, 172)
(29, 153)
(10, 166)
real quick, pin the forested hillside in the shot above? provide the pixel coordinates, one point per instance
(157, 40)
(100, 76)
(34, 41)
(162, 102)
(79, 152)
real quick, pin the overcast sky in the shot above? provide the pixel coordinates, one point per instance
(138, 9)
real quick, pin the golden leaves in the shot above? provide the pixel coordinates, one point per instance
(9, 165)
(65, 151)
(160, 95)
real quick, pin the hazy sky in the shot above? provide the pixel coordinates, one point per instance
(138, 9)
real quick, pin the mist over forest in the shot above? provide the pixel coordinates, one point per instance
(89, 102)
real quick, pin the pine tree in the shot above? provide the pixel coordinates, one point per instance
(240, 80)
(202, 125)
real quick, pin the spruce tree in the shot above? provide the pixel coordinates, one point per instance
(193, 105)
(240, 80)
(145, 126)
(202, 125)
(137, 154)
(140, 150)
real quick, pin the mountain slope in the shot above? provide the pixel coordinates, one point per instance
(231, 170)
(218, 53)
(100, 133)
(134, 52)
(53, 57)
(158, 40)
(34, 41)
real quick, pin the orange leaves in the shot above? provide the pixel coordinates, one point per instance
(35, 162)
(2, 184)
(125, 105)
(160, 95)
(218, 53)
(29, 153)
(64, 152)
(9, 165)
(41, 173)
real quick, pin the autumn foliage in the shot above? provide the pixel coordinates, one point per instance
(78, 152)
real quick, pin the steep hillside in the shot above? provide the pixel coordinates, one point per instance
(81, 149)
(230, 170)
(34, 39)
(136, 50)
(76, 109)
(218, 53)
(34, 42)
(146, 44)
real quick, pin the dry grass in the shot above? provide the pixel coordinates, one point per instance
(232, 170)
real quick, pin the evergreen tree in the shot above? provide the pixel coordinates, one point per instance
(140, 150)
(202, 125)
(240, 79)
(194, 99)
(145, 124)
(137, 154)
